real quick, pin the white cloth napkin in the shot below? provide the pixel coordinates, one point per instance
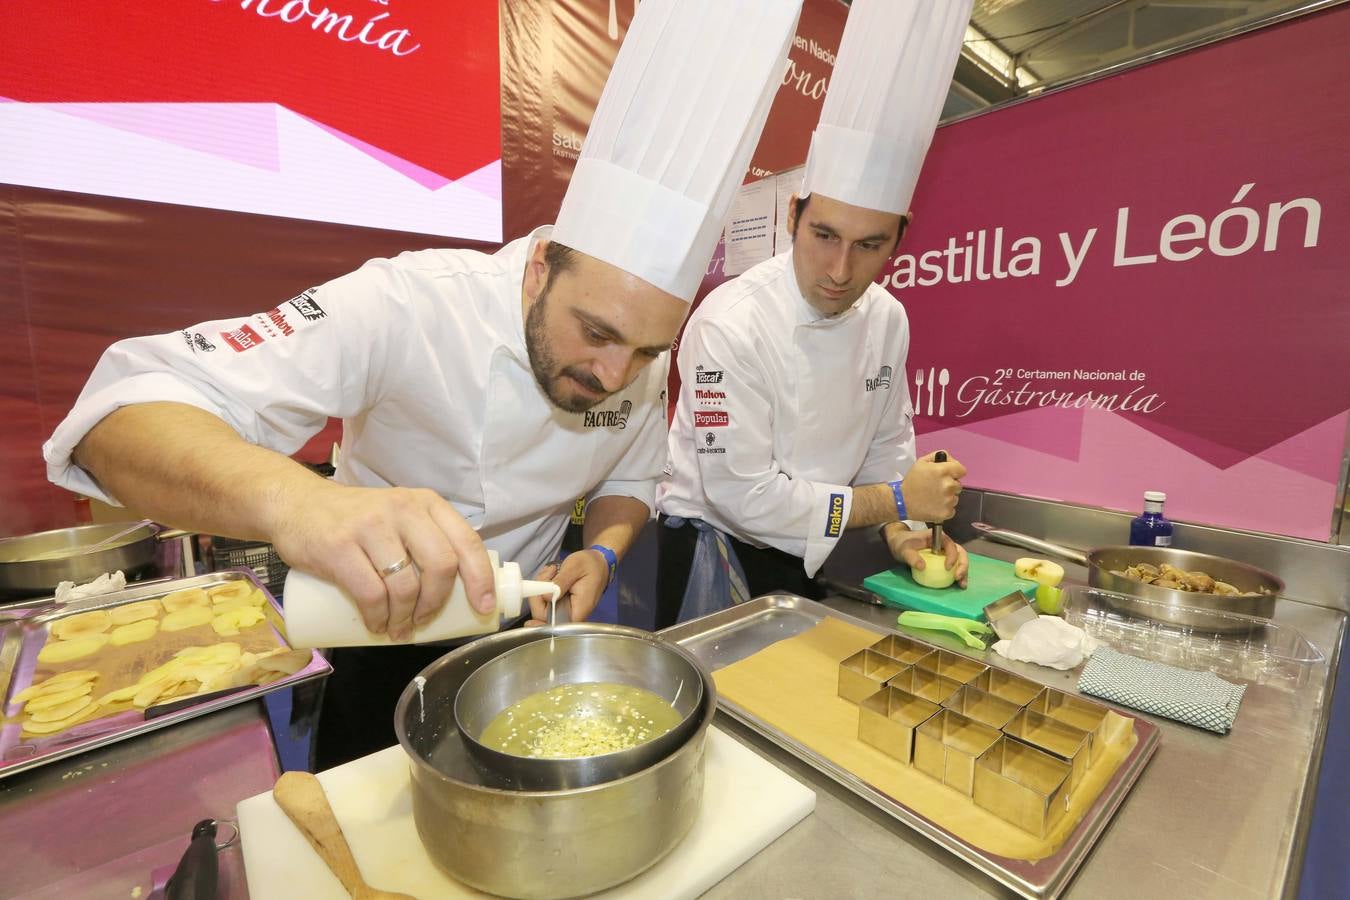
(1048, 641)
(106, 583)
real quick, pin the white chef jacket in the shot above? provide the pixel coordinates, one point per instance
(781, 410)
(423, 358)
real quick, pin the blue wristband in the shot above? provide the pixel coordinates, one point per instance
(610, 558)
(899, 499)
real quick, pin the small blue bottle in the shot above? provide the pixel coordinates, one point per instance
(1150, 529)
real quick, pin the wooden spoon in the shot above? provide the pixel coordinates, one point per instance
(301, 796)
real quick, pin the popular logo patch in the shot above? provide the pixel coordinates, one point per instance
(242, 338)
(834, 525)
(711, 419)
(609, 418)
(883, 380)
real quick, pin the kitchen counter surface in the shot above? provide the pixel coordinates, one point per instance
(1211, 816)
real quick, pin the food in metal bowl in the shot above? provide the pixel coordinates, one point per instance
(584, 719)
(1169, 576)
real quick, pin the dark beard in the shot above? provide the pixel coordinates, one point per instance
(545, 366)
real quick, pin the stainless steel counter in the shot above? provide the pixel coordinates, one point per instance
(1212, 816)
(99, 824)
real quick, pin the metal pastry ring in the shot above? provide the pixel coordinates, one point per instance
(394, 568)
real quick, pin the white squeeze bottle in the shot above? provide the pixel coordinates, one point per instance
(321, 614)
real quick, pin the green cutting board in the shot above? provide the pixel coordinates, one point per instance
(989, 580)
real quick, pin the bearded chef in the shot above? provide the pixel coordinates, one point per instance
(480, 394)
(794, 421)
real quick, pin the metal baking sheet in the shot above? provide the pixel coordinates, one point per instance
(23, 631)
(733, 634)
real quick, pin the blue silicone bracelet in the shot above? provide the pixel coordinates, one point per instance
(899, 499)
(610, 557)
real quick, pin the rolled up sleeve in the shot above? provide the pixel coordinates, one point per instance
(275, 377)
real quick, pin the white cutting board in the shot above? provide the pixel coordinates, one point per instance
(747, 803)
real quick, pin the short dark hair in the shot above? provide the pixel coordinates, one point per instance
(559, 258)
(799, 207)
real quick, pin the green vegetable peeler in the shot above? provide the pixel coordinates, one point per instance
(965, 629)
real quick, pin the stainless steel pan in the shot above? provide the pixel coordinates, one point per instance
(32, 565)
(1185, 608)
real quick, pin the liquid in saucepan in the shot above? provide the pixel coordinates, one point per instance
(577, 720)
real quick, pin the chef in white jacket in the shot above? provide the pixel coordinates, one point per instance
(480, 394)
(794, 422)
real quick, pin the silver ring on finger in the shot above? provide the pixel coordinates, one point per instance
(395, 568)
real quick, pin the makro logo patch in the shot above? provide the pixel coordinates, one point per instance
(609, 418)
(715, 419)
(834, 525)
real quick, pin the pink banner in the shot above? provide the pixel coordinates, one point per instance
(1139, 283)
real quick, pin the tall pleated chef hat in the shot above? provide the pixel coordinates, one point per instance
(891, 76)
(672, 136)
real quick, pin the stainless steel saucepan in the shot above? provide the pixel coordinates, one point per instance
(32, 565)
(1169, 605)
(539, 844)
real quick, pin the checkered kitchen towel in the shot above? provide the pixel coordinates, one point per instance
(1202, 699)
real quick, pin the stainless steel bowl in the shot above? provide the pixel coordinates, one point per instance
(539, 844)
(642, 662)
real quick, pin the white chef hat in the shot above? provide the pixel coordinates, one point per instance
(893, 69)
(672, 136)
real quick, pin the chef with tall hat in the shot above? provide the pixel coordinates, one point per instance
(794, 422)
(480, 394)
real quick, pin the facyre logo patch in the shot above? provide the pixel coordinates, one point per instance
(882, 380)
(609, 418)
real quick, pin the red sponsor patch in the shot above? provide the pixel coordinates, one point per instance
(242, 338)
(275, 322)
(716, 419)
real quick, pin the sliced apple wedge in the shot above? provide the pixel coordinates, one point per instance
(1041, 571)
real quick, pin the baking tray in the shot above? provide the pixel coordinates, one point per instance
(24, 631)
(731, 635)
